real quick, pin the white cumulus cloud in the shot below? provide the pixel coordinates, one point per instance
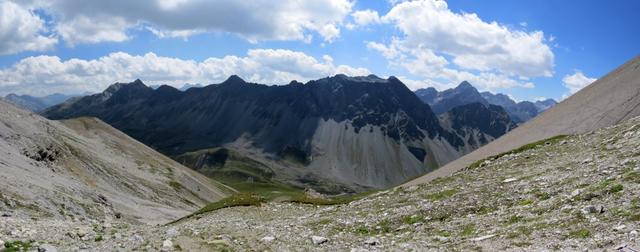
(22, 30)
(365, 17)
(445, 47)
(470, 41)
(80, 21)
(577, 81)
(47, 74)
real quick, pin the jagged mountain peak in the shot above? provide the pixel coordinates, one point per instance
(234, 79)
(464, 85)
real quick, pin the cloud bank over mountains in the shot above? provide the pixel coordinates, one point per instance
(431, 45)
(43, 74)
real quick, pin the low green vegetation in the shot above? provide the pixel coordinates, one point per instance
(580, 233)
(441, 195)
(239, 199)
(175, 185)
(525, 202)
(15, 246)
(468, 230)
(330, 200)
(520, 149)
(514, 219)
(616, 188)
(412, 219)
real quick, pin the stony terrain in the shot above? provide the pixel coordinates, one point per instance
(572, 193)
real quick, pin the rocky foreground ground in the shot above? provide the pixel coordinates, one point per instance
(568, 193)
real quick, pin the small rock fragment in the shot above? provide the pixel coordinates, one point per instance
(268, 239)
(575, 193)
(509, 180)
(482, 238)
(319, 240)
(589, 210)
(167, 244)
(372, 241)
(47, 248)
(619, 228)
(170, 233)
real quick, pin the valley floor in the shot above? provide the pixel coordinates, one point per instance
(568, 193)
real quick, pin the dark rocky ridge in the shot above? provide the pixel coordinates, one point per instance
(277, 116)
(442, 102)
(491, 120)
(520, 111)
(36, 104)
(465, 93)
(379, 118)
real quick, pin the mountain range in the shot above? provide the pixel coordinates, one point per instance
(465, 93)
(36, 104)
(335, 134)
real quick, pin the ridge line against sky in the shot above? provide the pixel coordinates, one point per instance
(529, 50)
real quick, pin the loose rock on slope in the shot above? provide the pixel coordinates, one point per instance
(475, 209)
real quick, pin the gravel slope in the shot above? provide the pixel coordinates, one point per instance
(571, 193)
(83, 168)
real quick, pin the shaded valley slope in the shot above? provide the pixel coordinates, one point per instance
(84, 168)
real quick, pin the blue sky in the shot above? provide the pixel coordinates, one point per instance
(527, 49)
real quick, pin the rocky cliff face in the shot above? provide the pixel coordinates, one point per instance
(360, 131)
(478, 124)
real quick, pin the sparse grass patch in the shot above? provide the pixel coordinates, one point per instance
(441, 195)
(337, 200)
(520, 231)
(412, 219)
(616, 188)
(443, 180)
(362, 230)
(632, 176)
(580, 233)
(514, 219)
(382, 227)
(525, 202)
(238, 199)
(443, 233)
(468, 230)
(482, 210)
(540, 194)
(15, 246)
(175, 185)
